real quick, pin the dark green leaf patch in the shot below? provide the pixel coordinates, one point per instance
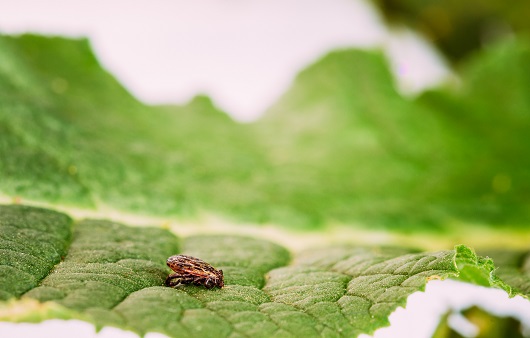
(107, 262)
(32, 241)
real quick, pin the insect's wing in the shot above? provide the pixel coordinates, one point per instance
(190, 265)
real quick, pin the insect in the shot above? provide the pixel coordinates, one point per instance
(191, 270)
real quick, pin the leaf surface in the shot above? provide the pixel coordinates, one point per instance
(113, 274)
(32, 242)
(341, 146)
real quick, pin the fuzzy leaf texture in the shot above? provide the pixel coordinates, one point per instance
(113, 274)
(341, 146)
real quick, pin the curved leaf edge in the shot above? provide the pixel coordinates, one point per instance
(466, 266)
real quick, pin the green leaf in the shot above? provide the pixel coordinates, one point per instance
(105, 263)
(32, 242)
(489, 127)
(345, 145)
(342, 146)
(514, 268)
(103, 146)
(113, 274)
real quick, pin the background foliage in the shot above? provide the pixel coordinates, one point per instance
(460, 28)
(341, 146)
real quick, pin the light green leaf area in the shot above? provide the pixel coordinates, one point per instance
(71, 134)
(113, 274)
(514, 267)
(342, 146)
(361, 151)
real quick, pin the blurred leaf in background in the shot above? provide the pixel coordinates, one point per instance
(460, 27)
(73, 135)
(482, 323)
(341, 146)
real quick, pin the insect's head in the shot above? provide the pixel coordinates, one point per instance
(171, 260)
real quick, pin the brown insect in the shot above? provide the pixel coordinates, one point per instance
(191, 270)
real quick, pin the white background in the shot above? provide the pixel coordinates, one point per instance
(243, 53)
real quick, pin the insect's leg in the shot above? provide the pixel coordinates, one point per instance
(209, 283)
(198, 281)
(174, 283)
(173, 279)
